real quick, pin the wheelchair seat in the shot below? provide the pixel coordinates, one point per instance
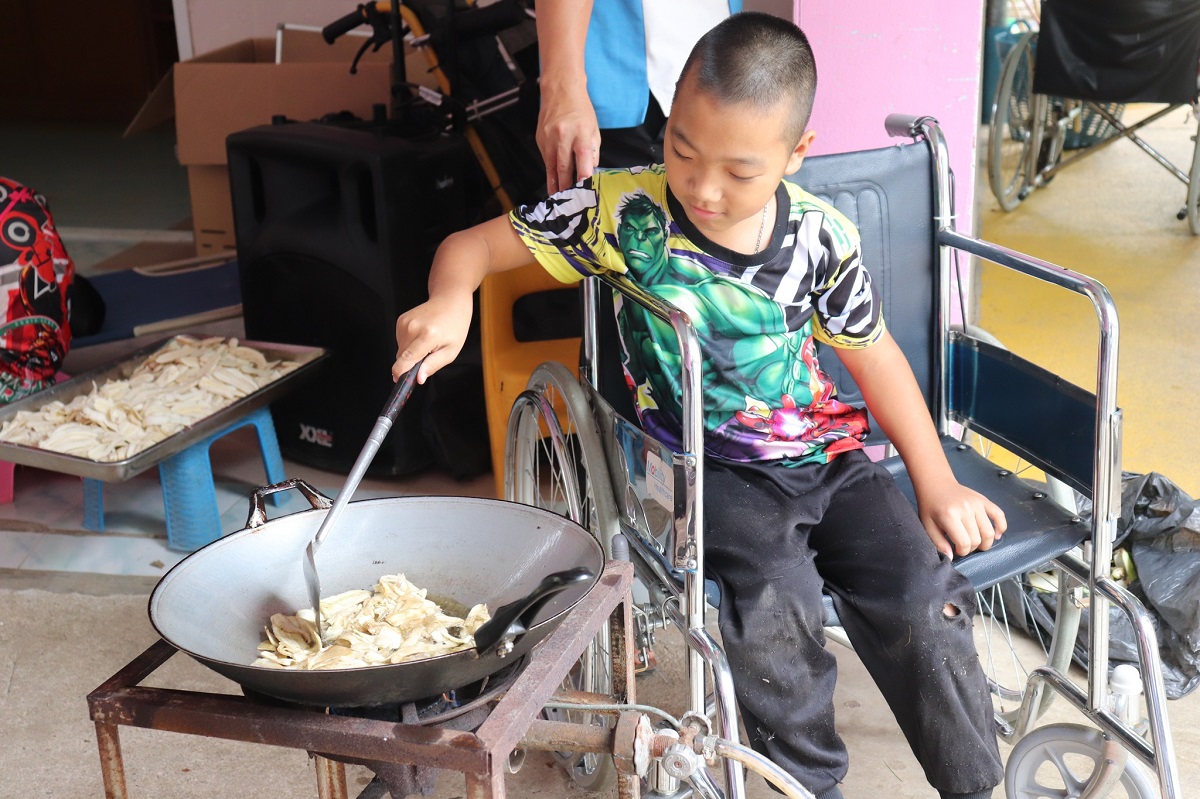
(1039, 530)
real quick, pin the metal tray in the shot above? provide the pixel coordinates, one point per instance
(116, 471)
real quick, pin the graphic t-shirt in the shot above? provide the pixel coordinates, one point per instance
(756, 316)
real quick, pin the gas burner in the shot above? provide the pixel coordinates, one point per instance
(439, 709)
(461, 709)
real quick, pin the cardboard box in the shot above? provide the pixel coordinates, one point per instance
(212, 208)
(241, 86)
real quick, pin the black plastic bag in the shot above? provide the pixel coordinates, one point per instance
(1160, 526)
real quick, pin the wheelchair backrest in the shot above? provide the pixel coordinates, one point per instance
(888, 195)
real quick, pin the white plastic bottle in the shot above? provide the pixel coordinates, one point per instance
(1125, 686)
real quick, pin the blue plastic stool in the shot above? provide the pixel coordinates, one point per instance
(189, 496)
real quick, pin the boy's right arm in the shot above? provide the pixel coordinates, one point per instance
(436, 329)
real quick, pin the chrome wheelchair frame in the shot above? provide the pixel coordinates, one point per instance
(655, 515)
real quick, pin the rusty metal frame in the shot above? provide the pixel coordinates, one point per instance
(481, 756)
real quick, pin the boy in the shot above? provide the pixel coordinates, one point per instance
(793, 505)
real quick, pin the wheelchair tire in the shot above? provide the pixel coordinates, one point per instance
(554, 459)
(1193, 192)
(1015, 133)
(1060, 760)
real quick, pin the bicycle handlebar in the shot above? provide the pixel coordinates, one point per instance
(339, 27)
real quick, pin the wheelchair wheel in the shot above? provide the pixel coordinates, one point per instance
(1015, 133)
(1193, 192)
(1061, 759)
(554, 460)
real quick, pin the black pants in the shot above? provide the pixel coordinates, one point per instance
(776, 538)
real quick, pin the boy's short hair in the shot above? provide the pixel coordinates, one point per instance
(756, 58)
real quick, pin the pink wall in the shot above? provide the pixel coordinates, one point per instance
(877, 57)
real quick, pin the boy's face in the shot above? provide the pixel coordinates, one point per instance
(724, 162)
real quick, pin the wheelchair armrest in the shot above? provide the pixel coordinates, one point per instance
(1101, 481)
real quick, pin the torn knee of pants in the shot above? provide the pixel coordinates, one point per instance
(951, 611)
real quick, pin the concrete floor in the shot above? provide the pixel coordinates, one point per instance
(69, 620)
(1112, 216)
(51, 749)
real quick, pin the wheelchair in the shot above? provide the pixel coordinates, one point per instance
(566, 449)
(1072, 97)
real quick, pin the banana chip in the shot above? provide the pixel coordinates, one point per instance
(175, 387)
(392, 624)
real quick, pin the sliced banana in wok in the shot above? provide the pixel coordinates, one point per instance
(392, 624)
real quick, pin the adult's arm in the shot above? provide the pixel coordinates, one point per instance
(568, 134)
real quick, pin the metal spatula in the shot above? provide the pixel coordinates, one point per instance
(379, 432)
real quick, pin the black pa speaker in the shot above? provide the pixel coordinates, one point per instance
(336, 229)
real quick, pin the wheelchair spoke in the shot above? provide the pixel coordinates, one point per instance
(549, 463)
(998, 640)
(1009, 639)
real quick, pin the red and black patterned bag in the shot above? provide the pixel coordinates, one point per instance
(35, 275)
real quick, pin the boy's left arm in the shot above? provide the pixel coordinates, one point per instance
(957, 519)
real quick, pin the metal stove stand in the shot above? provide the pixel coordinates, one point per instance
(480, 755)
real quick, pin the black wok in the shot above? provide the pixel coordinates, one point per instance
(215, 603)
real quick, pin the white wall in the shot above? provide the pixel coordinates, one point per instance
(204, 25)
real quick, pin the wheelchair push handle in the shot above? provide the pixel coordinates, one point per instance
(906, 126)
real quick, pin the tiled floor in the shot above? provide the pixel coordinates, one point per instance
(1112, 216)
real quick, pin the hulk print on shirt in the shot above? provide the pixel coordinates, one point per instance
(765, 396)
